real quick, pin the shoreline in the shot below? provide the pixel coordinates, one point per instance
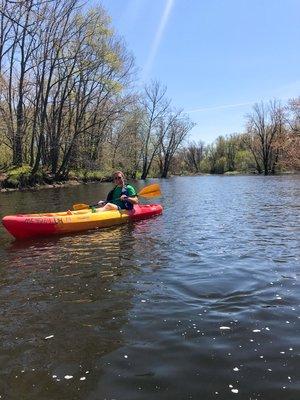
(41, 186)
(77, 182)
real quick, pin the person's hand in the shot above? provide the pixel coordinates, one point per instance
(101, 203)
(124, 197)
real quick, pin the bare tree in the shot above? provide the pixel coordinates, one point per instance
(155, 107)
(6, 31)
(290, 143)
(55, 67)
(174, 130)
(264, 126)
(19, 22)
(194, 154)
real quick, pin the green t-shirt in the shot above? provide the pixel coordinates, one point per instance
(117, 193)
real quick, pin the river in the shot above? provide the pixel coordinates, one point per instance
(201, 302)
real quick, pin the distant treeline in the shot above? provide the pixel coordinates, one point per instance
(270, 144)
(69, 105)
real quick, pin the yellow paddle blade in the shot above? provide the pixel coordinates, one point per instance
(80, 206)
(150, 191)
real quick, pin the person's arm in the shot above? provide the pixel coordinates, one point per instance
(131, 197)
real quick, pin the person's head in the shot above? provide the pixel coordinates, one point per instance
(119, 178)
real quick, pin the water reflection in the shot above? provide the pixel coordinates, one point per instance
(65, 308)
(198, 303)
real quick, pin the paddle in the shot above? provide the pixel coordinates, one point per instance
(148, 191)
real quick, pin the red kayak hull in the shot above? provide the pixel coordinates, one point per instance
(26, 226)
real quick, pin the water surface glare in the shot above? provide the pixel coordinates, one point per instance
(199, 303)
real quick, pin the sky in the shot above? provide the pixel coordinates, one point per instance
(216, 57)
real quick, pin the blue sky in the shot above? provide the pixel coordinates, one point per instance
(216, 57)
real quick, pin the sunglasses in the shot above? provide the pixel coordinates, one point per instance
(118, 178)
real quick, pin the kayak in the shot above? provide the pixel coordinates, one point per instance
(24, 226)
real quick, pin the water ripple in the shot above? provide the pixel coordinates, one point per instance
(201, 302)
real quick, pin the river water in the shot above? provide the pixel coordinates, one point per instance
(199, 303)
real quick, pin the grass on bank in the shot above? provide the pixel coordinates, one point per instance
(19, 177)
(22, 177)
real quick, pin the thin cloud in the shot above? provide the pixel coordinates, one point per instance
(158, 37)
(222, 107)
(283, 93)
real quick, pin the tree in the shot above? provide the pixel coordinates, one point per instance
(291, 145)
(265, 126)
(194, 154)
(155, 108)
(174, 130)
(18, 41)
(63, 71)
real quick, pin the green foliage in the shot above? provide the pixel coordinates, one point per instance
(93, 176)
(5, 156)
(138, 175)
(205, 166)
(90, 176)
(219, 166)
(244, 161)
(20, 177)
(112, 59)
(227, 155)
(112, 86)
(19, 170)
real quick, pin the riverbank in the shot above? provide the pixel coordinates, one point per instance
(20, 179)
(42, 186)
(52, 185)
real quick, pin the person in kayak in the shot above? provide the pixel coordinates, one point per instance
(121, 197)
